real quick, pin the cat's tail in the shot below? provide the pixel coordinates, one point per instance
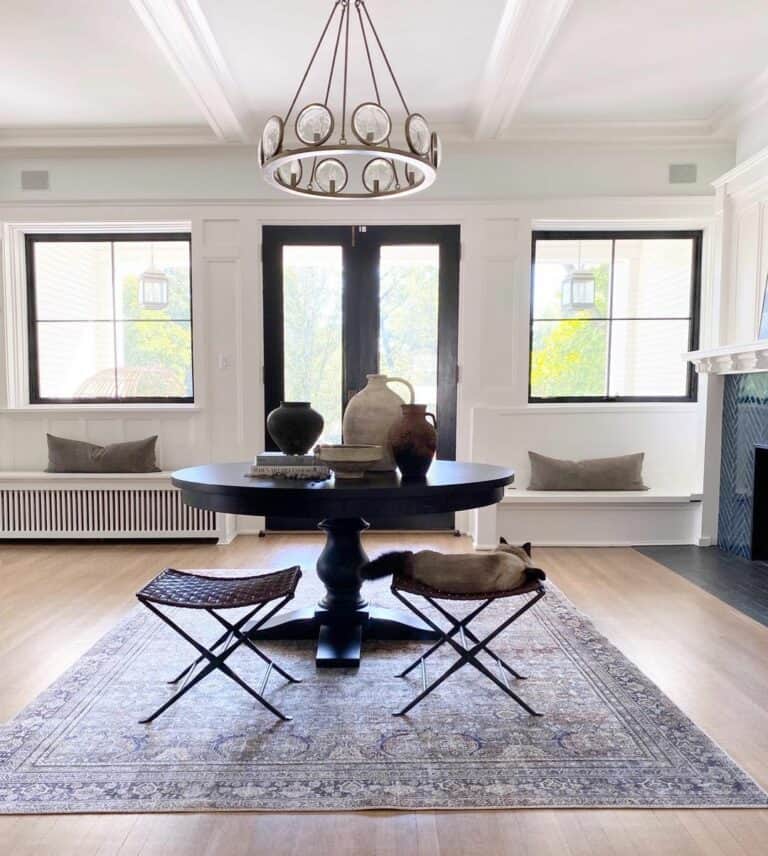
(386, 565)
(532, 574)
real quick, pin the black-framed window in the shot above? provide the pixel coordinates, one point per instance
(612, 314)
(109, 318)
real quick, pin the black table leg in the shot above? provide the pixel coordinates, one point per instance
(343, 619)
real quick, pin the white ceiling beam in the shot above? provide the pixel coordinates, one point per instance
(184, 37)
(526, 30)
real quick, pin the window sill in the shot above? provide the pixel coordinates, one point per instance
(594, 407)
(122, 409)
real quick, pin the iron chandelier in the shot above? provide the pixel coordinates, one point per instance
(357, 159)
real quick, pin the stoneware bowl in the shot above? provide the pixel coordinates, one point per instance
(349, 462)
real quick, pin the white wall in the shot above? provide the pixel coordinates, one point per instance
(227, 420)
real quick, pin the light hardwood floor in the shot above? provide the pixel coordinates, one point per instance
(57, 600)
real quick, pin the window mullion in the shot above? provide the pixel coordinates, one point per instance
(609, 337)
(114, 317)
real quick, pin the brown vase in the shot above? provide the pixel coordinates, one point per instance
(414, 440)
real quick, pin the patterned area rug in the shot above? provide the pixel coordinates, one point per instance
(609, 737)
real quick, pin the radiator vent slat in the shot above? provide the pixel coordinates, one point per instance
(100, 512)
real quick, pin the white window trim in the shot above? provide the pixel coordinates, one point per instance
(14, 276)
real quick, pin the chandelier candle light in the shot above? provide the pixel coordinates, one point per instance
(324, 161)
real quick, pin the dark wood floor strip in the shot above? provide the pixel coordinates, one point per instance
(738, 582)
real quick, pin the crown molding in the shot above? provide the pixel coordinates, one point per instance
(752, 97)
(181, 32)
(683, 132)
(107, 136)
(757, 161)
(526, 30)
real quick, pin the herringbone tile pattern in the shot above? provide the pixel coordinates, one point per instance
(745, 425)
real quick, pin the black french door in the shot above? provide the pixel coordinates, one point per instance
(342, 302)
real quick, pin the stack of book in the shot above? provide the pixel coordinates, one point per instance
(276, 465)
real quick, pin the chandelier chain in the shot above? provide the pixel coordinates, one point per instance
(368, 53)
(361, 3)
(333, 60)
(343, 137)
(312, 58)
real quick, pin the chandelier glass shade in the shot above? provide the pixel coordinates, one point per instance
(358, 151)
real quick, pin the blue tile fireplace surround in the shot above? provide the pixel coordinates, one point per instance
(745, 430)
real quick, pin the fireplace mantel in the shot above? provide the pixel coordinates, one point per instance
(731, 359)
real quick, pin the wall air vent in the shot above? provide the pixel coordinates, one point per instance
(35, 179)
(682, 173)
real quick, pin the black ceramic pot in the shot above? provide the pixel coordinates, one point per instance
(295, 427)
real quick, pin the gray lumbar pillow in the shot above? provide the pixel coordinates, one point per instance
(624, 472)
(75, 456)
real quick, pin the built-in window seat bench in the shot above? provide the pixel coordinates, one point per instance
(101, 505)
(591, 518)
(669, 435)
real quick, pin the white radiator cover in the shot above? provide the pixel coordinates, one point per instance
(98, 512)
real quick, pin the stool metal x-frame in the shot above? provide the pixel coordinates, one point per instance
(468, 654)
(168, 588)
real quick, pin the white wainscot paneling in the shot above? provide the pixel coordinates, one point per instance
(220, 233)
(668, 434)
(22, 434)
(746, 285)
(501, 234)
(106, 430)
(226, 391)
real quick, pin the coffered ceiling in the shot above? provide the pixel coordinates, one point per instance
(151, 72)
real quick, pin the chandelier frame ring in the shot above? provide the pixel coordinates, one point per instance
(272, 165)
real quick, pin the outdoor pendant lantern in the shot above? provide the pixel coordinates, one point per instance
(153, 285)
(579, 290)
(336, 152)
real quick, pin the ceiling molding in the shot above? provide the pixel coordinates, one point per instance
(682, 132)
(108, 136)
(184, 37)
(525, 32)
(728, 117)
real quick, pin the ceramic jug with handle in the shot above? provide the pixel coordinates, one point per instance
(414, 441)
(372, 412)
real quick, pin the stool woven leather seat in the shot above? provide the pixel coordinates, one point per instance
(468, 652)
(196, 591)
(185, 590)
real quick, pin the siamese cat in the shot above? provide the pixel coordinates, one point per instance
(507, 567)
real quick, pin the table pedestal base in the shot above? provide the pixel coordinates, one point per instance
(342, 619)
(340, 638)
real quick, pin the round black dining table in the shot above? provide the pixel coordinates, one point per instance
(342, 619)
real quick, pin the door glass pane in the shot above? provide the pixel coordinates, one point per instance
(408, 302)
(312, 301)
